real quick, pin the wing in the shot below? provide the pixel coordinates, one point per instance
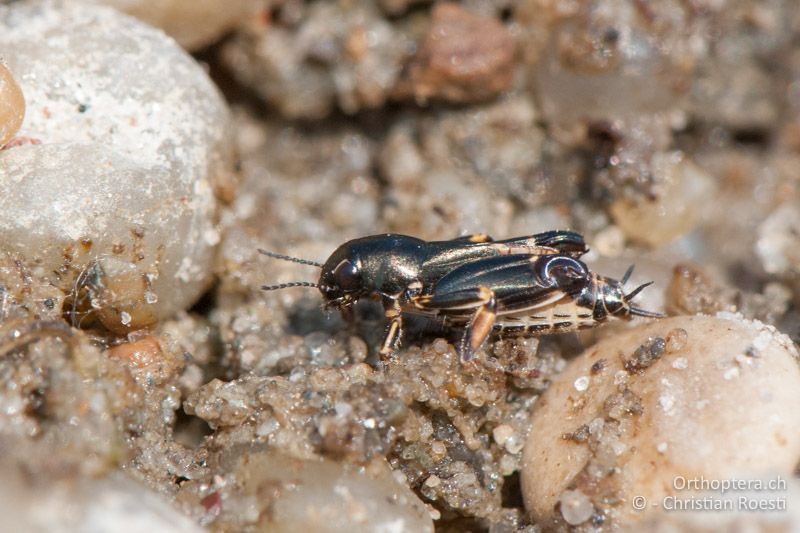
(446, 256)
(511, 279)
(559, 241)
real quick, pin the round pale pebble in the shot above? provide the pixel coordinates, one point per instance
(12, 106)
(684, 192)
(675, 399)
(778, 244)
(607, 62)
(193, 23)
(84, 212)
(326, 496)
(94, 75)
(115, 503)
(134, 139)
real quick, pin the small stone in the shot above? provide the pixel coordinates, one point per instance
(12, 106)
(267, 428)
(680, 363)
(606, 64)
(778, 244)
(676, 340)
(324, 496)
(464, 57)
(582, 383)
(502, 434)
(438, 449)
(610, 242)
(139, 354)
(667, 402)
(514, 444)
(576, 507)
(731, 373)
(692, 291)
(433, 481)
(343, 54)
(193, 23)
(684, 192)
(343, 409)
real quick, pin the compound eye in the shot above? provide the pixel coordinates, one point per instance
(551, 271)
(347, 276)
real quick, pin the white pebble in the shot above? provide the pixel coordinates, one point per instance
(342, 409)
(667, 402)
(502, 433)
(582, 383)
(433, 481)
(576, 508)
(324, 495)
(267, 428)
(680, 363)
(778, 244)
(731, 373)
(763, 339)
(133, 136)
(114, 503)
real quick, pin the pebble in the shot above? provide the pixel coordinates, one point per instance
(324, 496)
(576, 507)
(12, 106)
(193, 23)
(587, 70)
(674, 416)
(339, 54)
(692, 290)
(778, 245)
(115, 503)
(131, 136)
(464, 57)
(684, 192)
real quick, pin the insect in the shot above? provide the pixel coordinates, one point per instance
(530, 285)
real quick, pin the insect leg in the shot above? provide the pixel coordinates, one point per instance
(394, 327)
(480, 300)
(479, 327)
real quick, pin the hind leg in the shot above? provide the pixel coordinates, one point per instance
(483, 304)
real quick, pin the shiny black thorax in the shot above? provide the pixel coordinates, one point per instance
(385, 265)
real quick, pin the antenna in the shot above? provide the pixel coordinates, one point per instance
(289, 285)
(289, 258)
